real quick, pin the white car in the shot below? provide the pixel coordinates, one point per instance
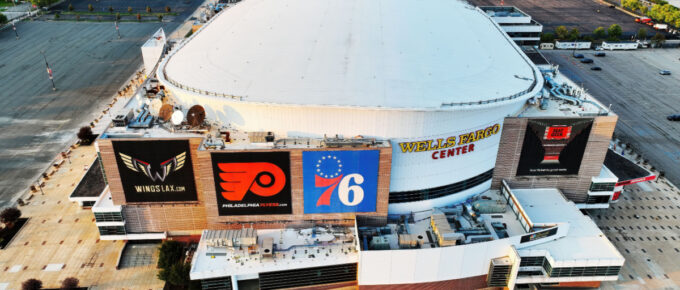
(599, 48)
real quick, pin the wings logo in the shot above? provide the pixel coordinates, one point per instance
(340, 181)
(166, 167)
(261, 178)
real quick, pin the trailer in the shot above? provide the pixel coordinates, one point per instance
(572, 44)
(620, 45)
(660, 26)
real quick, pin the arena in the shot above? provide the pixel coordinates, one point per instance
(403, 77)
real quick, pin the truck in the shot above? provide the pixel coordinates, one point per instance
(620, 45)
(660, 26)
(642, 19)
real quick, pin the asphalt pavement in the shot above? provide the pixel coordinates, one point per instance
(631, 83)
(89, 64)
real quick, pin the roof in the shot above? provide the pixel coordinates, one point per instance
(623, 168)
(92, 183)
(384, 53)
(584, 241)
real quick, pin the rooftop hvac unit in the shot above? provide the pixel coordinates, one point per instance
(123, 120)
(379, 243)
(499, 272)
(267, 247)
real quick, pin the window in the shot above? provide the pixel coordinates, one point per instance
(436, 192)
(595, 187)
(532, 261)
(529, 273)
(595, 199)
(88, 203)
(114, 230)
(108, 216)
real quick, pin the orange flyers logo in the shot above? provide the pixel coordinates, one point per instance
(261, 178)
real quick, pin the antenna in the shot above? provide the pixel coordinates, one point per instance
(165, 112)
(155, 107)
(196, 115)
(177, 118)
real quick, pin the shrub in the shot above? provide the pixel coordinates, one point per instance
(3, 18)
(111, 9)
(170, 252)
(70, 7)
(90, 7)
(139, 17)
(117, 15)
(148, 9)
(85, 134)
(160, 17)
(129, 9)
(167, 9)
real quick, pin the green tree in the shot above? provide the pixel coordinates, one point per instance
(111, 9)
(561, 32)
(599, 33)
(160, 17)
(117, 15)
(139, 17)
(42, 3)
(614, 32)
(70, 7)
(170, 252)
(574, 34)
(547, 37)
(148, 9)
(57, 16)
(658, 40)
(90, 7)
(9, 216)
(129, 9)
(70, 283)
(167, 9)
(642, 33)
(31, 284)
(3, 19)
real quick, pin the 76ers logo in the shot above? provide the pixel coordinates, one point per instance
(261, 178)
(340, 181)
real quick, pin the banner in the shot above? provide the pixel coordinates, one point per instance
(155, 171)
(252, 183)
(340, 181)
(554, 146)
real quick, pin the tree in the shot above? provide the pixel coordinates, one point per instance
(31, 284)
(658, 40)
(160, 17)
(642, 33)
(167, 9)
(614, 32)
(139, 17)
(170, 252)
(85, 134)
(574, 34)
(3, 19)
(77, 17)
(599, 33)
(561, 32)
(148, 9)
(129, 9)
(117, 15)
(57, 16)
(111, 9)
(70, 283)
(90, 7)
(70, 7)
(9, 216)
(42, 3)
(547, 37)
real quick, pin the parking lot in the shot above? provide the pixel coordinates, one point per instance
(586, 15)
(89, 65)
(631, 83)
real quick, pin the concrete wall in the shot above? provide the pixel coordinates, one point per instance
(574, 187)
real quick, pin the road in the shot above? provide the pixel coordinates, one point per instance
(642, 98)
(89, 63)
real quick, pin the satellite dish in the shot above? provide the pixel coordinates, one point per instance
(196, 115)
(165, 112)
(155, 107)
(177, 117)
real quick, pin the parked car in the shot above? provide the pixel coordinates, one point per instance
(598, 48)
(586, 60)
(664, 72)
(578, 55)
(674, 117)
(596, 68)
(600, 54)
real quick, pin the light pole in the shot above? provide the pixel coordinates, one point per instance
(49, 70)
(117, 31)
(15, 30)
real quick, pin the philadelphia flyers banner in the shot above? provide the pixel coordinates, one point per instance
(155, 171)
(252, 183)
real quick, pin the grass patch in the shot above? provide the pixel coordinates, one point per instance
(6, 4)
(6, 235)
(88, 13)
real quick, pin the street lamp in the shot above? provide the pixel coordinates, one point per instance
(117, 31)
(49, 70)
(15, 30)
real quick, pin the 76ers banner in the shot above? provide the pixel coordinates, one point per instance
(155, 171)
(252, 183)
(340, 181)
